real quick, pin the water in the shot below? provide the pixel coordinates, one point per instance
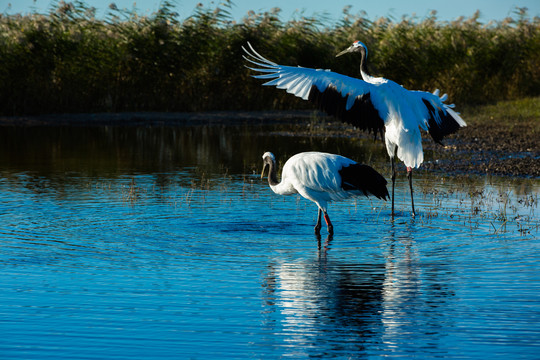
(147, 243)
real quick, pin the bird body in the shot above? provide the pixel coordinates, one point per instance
(323, 178)
(372, 103)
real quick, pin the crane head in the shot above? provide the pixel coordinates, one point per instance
(356, 46)
(268, 158)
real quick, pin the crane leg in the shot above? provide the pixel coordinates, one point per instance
(393, 178)
(409, 176)
(328, 223)
(318, 225)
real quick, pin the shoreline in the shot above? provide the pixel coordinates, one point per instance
(160, 118)
(483, 149)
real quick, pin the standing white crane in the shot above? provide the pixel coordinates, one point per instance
(322, 178)
(371, 103)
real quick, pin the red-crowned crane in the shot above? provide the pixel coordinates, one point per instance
(323, 178)
(371, 103)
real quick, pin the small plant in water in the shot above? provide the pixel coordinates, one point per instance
(503, 204)
(131, 194)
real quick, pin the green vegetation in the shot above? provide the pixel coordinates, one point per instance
(70, 61)
(521, 110)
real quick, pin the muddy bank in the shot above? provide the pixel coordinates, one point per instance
(492, 147)
(496, 148)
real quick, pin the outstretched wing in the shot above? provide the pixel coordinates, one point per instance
(347, 98)
(366, 105)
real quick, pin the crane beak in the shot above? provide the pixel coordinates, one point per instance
(347, 50)
(263, 170)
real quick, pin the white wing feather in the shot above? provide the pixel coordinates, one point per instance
(299, 80)
(316, 175)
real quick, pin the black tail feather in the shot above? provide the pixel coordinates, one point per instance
(447, 125)
(363, 178)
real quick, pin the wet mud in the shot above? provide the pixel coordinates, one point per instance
(496, 149)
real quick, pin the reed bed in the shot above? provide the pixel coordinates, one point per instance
(70, 61)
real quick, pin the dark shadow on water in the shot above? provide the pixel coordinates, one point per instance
(273, 227)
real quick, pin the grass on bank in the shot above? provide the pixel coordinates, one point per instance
(523, 110)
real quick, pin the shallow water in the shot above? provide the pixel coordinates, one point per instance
(139, 243)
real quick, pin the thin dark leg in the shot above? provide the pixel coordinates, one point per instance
(328, 223)
(393, 178)
(409, 175)
(393, 184)
(318, 225)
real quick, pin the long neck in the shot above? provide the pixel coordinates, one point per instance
(363, 66)
(272, 174)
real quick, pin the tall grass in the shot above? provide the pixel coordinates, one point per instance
(70, 61)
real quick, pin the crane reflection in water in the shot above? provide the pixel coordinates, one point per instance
(325, 304)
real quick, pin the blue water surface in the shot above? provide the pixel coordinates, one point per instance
(131, 252)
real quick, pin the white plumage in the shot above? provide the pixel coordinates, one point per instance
(323, 178)
(315, 176)
(371, 103)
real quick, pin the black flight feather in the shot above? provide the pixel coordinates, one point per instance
(362, 114)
